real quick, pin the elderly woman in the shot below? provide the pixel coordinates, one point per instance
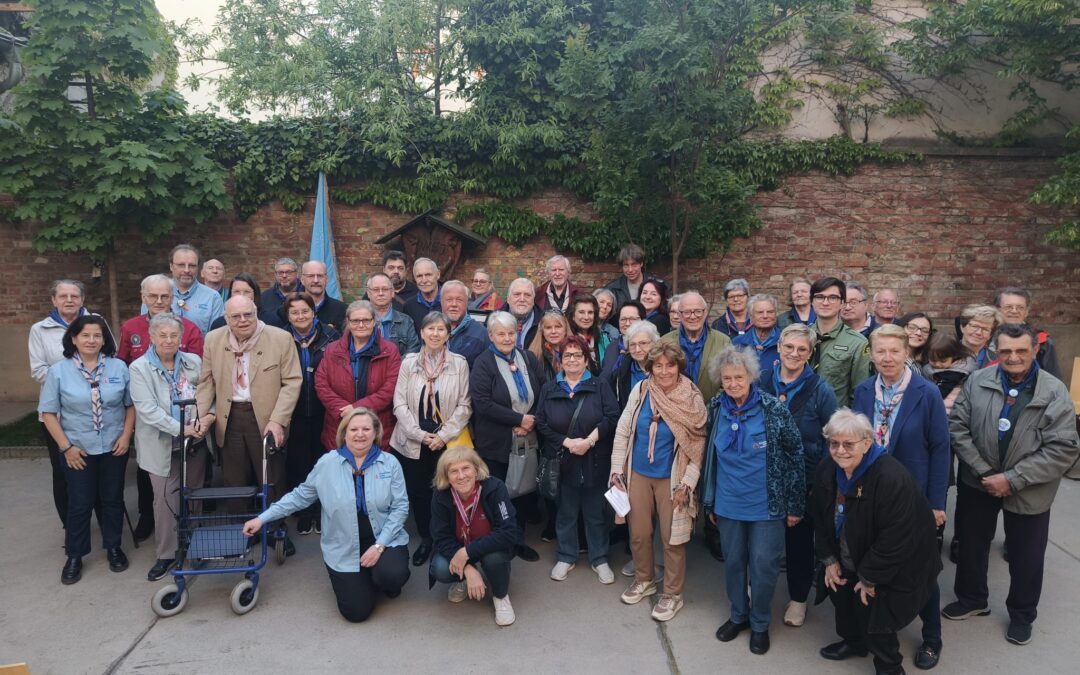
(482, 295)
(364, 508)
(653, 297)
(657, 460)
(755, 488)
(583, 323)
(160, 376)
(875, 537)
(248, 286)
(802, 310)
(975, 327)
(547, 345)
(304, 444)
(475, 529)
(910, 423)
(505, 386)
(736, 318)
(919, 328)
(629, 370)
(673, 311)
(765, 336)
(811, 402)
(432, 405)
(576, 417)
(629, 313)
(86, 407)
(606, 316)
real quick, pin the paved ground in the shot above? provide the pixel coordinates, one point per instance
(104, 624)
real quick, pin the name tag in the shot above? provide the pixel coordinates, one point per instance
(760, 445)
(840, 348)
(204, 306)
(112, 380)
(384, 475)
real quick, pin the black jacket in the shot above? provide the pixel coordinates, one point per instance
(599, 410)
(309, 405)
(493, 417)
(890, 534)
(332, 313)
(505, 532)
(417, 311)
(531, 333)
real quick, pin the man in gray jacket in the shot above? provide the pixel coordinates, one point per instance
(1014, 429)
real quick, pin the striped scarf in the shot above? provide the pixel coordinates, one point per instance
(93, 378)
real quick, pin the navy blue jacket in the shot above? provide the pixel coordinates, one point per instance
(505, 532)
(493, 417)
(812, 406)
(920, 435)
(470, 342)
(417, 311)
(599, 410)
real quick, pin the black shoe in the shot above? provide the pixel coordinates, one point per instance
(145, 528)
(955, 611)
(954, 551)
(316, 524)
(1018, 633)
(927, 656)
(838, 651)
(72, 571)
(423, 552)
(729, 631)
(290, 548)
(160, 569)
(118, 562)
(526, 553)
(759, 641)
(304, 526)
(547, 535)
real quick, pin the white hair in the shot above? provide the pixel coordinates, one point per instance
(156, 279)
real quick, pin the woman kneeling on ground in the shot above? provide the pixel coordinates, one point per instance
(364, 508)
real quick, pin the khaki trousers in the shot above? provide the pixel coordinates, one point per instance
(649, 496)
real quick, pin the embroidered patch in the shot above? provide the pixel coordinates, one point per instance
(384, 475)
(136, 340)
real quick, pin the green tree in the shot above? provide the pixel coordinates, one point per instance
(91, 148)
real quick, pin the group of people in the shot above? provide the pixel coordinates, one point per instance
(818, 439)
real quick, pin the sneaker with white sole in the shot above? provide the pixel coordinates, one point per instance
(603, 571)
(638, 591)
(795, 614)
(627, 569)
(504, 611)
(458, 592)
(667, 607)
(561, 569)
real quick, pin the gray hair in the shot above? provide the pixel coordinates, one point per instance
(684, 296)
(501, 320)
(425, 260)
(286, 261)
(185, 247)
(159, 320)
(603, 291)
(799, 331)
(736, 284)
(55, 287)
(674, 300)
(741, 357)
(360, 304)
(156, 279)
(643, 326)
(554, 259)
(856, 286)
(454, 283)
(518, 282)
(763, 297)
(847, 422)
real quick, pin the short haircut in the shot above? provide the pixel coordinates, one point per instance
(432, 317)
(54, 288)
(889, 330)
(942, 346)
(856, 286)
(739, 357)
(420, 261)
(251, 281)
(454, 283)
(501, 320)
(292, 298)
(392, 254)
(156, 279)
(1016, 330)
(554, 259)
(981, 313)
(687, 295)
(847, 422)
(603, 291)
(359, 304)
(647, 327)
(762, 297)
(108, 347)
(286, 261)
(799, 331)
(632, 253)
(185, 247)
(455, 455)
(165, 318)
(669, 351)
(1012, 290)
(519, 281)
(884, 290)
(828, 282)
(736, 285)
(636, 304)
(579, 342)
(384, 275)
(343, 425)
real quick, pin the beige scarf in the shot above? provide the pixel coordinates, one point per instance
(684, 411)
(239, 350)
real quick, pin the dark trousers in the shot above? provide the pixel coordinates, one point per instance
(524, 505)
(59, 480)
(102, 479)
(418, 474)
(146, 493)
(242, 457)
(355, 591)
(1026, 537)
(495, 566)
(305, 449)
(852, 619)
(801, 562)
(931, 616)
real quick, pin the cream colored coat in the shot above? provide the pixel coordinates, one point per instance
(455, 402)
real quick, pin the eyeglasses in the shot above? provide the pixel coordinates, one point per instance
(284, 273)
(917, 330)
(801, 350)
(639, 345)
(572, 356)
(1013, 308)
(887, 303)
(735, 296)
(972, 327)
(629, 319)
(848, 446)
(480, 281)
(300, 313)
(827, 298)
(241, 317)
(157, 298)
(361, 322)
(691, 313)
(849, 303)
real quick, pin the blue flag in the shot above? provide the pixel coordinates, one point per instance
(322, 240)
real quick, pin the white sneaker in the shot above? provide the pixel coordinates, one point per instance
(504, 611)
(795, 614)
(561, 569)
(603, 571)
(628, 569)
(458, 592)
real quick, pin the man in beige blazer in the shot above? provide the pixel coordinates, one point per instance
(249, 384)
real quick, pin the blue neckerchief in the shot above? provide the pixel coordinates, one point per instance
(1006, 388)
(982, 358)
(303, 341)
(729, 318)
(55, 316)
(519, 377)
(465, 320)
(786, 392)
(810, 320)
(651, 314)
(566, 387)
(636, 374)
(429, 305)
(843, 483)
(767, 343)
(735, 440)
(358, 474)
(622, 353)
(386, 322)
(319, 305)
(173, 378)
(355, 355)
(693, 351)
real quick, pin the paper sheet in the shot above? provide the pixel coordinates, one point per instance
(619, 500)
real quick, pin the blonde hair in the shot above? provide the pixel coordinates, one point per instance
(537, 346)
(451, 456)
(889, 330)
(347, 417)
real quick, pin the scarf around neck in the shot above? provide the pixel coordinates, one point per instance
(479, 300)
(55, 316)
(360, 360)
(1011, 393)
(734, 325)
(432, 366)
(565, 386)
(358, 472)
(305, 341)
(843, 483)
(240, 350)
(519, 378)
(734, 411)
(93, 378)
(693, 351)
(684, 411)
(887, 399)
(785, 391)
(430, 305)
(179, 387)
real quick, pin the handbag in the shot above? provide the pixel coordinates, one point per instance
(522, 467)
(463, 440)
(547, 475)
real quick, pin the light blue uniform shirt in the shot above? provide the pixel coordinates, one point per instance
(202, 305)
(67, 393)
(741, 490)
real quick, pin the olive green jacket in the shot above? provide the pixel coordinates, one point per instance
(714, 344)
(842, 359)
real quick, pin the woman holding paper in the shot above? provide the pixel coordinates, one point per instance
(657, 460)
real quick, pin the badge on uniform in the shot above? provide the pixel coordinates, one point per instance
(136, 339)
(783, 397)
(1004, 424)
(734, 426)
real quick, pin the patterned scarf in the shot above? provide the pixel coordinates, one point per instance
(467, 512)
(358, 472)
(519, 377)
(93, 378)
(360, 359)
(843, 483)
(693, 351)
(179, 387)
(734, 411)
(684, 411)
(554, 301)
(304, 341)
(734, 325)
(886, 404)
(1012, 392)
(240, 349)
(432, 366)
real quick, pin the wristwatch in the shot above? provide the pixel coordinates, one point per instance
(380, 548)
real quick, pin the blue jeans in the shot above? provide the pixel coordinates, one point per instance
(495, 565)
(754, 546)
(590, 502)
(102, 480)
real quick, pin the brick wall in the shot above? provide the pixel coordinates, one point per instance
(945, 232)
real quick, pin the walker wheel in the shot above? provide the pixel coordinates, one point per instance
(244, 596)
(169, 601)
(279, 551)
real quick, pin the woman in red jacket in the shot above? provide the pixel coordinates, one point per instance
(358, 371)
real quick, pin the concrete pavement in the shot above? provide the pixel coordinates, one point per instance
(104, 623)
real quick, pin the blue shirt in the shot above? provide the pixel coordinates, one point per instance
(741, 490)
(767, 350)
(67, 393)
(663, 449)
(202, 305)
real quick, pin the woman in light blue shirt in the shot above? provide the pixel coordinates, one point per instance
(86, 407)
(364, 507)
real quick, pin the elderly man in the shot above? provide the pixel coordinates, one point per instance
(427, 298)
(250, 383)
(764, 336)
(853, 311)
(1014, 304)
(213, 277)
(1014, 430)
(285, 282)
(330, 312)
(627, 286)
(699, 343)
(191, 300)
(842, 356)
(393, 266)
(556, 292)
(886, 306)
(521, 302)
(468, 337)
(394, 325)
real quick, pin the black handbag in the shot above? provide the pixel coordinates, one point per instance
(547, 473)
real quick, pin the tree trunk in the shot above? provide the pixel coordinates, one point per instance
(114, 293)
(676, 249)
